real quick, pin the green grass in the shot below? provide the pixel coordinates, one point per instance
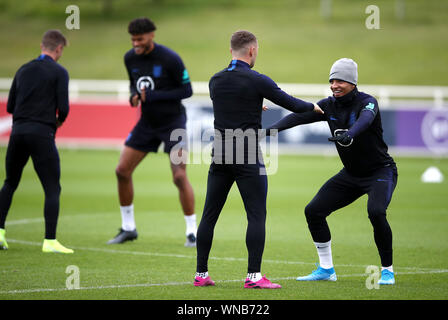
(157, 266)
(296, 44)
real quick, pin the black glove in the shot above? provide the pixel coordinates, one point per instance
(343, 139)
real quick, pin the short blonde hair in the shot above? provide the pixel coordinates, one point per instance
(52, 39)
(241, 39)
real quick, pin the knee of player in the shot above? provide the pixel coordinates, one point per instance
(310, 210)
(179, 177)
(122, 172)
(314, 212)
(376, 213)
(10, 187)
(54, 193)
(52, 190)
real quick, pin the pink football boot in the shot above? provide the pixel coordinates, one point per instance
(263, 283)
(203, 282)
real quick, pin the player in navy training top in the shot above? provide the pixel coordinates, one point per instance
(355, 122)
(38, 102)
(237, 93)
(159, 81)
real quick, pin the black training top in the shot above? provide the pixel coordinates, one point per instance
(237, 93)
(166, 80)
(358, 114)
(38, 97)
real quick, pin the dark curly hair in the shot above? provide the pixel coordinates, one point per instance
(140, 26)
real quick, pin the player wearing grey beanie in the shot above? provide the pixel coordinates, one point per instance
(355, 123)
(345, 69)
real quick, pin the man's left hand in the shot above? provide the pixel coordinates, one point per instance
(343, 138)
(143, 93)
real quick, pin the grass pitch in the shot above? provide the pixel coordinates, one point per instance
(158, 266)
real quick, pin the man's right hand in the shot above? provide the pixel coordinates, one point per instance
(135, 100)
(317, 109)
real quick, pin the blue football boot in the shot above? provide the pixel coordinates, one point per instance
(387, 277)
(320, 274)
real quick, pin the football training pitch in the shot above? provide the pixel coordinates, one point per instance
(158, 266)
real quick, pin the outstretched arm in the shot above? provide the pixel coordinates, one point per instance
(269, 89)
(295, 119)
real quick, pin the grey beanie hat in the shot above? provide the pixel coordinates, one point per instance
(345, 69)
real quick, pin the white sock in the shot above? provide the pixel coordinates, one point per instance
(190, 222)
(203, 275)
(388, 268)
(324, 252)
(127, 218)
(254, 276)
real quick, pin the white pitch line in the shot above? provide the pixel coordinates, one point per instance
(24, 221)
(146, 285)
(97, 288)
(174, 255)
